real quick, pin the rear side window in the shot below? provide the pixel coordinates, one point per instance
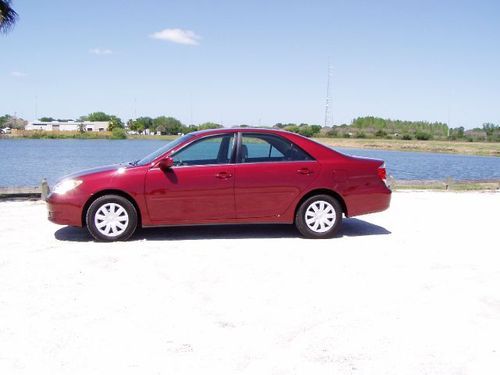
(262, 148)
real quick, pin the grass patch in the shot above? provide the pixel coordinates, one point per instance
(41, 134)
(448, 147)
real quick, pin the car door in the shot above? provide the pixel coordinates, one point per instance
(198, 188)
(271, 172)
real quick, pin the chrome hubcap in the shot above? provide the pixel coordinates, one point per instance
(320, 216)
(111, 219)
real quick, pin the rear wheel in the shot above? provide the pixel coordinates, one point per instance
(319, 216)
(111, 218)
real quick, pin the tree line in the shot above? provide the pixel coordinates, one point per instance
(360, 127)
(164, 125)
(376, 127)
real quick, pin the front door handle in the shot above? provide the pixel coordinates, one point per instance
(223, 175)
(304, 171)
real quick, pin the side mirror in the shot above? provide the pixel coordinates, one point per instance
(166, 163)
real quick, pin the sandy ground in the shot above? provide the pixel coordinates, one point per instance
(413, 290)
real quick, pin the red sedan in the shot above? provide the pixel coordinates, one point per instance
(224, 176)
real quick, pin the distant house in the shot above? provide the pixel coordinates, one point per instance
(89, 126)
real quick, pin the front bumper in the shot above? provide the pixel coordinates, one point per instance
(65, 209)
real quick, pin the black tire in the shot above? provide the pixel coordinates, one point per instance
(109, 202)
(332, 214)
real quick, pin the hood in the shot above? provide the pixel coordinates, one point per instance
(86, 172)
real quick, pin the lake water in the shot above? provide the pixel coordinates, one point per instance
(24, 162)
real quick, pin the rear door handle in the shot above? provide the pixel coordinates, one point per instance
(223, 175)
(304, 171)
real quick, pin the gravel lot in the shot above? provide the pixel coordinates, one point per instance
(413, 290)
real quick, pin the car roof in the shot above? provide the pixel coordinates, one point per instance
(240, 129)
(315, 149)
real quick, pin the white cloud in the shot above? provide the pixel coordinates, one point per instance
(177, 36)
(100, 51)
(18, 74)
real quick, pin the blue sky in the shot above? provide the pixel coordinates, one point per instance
(254, 62)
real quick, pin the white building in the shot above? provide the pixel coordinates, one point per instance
(89, 126)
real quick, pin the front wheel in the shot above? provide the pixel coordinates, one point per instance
(111, 218)
(319, 216)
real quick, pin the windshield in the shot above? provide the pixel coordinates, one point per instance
(170, 145)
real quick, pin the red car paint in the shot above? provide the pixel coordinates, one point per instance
(260, 192)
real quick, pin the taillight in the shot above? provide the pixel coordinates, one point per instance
(382, 174)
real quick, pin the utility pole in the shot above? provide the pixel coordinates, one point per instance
(36, 108)
(191, 109)
(135, 108)
(328, 104)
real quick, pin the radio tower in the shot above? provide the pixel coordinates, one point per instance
(328, 99)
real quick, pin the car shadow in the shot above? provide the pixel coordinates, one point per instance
(351, 227)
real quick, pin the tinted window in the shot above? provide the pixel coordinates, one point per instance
(261, 148)
(210, 150)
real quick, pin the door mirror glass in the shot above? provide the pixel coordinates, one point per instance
(166, 163)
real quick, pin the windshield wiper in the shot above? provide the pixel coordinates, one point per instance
(134, 163)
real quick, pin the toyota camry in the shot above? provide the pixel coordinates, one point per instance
(224, 176)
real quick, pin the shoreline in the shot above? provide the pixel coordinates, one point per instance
(35, 192)
(430, 146)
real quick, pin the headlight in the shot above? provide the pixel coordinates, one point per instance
(66, 185)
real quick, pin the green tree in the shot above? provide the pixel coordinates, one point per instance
(316, 129)
(8, 16)
(291, 128)
(457, 133)
(98, 116)
(209, 125)
(302, 129)
(422, 135)
(46, 119)
(167, 125)
(189, 129)
(114, 123)
(3, 120)
(492, 132)
(490, 128)
(141, 123)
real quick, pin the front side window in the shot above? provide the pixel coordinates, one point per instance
(262, 148)
(210, 150)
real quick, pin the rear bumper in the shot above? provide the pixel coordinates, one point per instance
(362, 204)
(65, 209)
